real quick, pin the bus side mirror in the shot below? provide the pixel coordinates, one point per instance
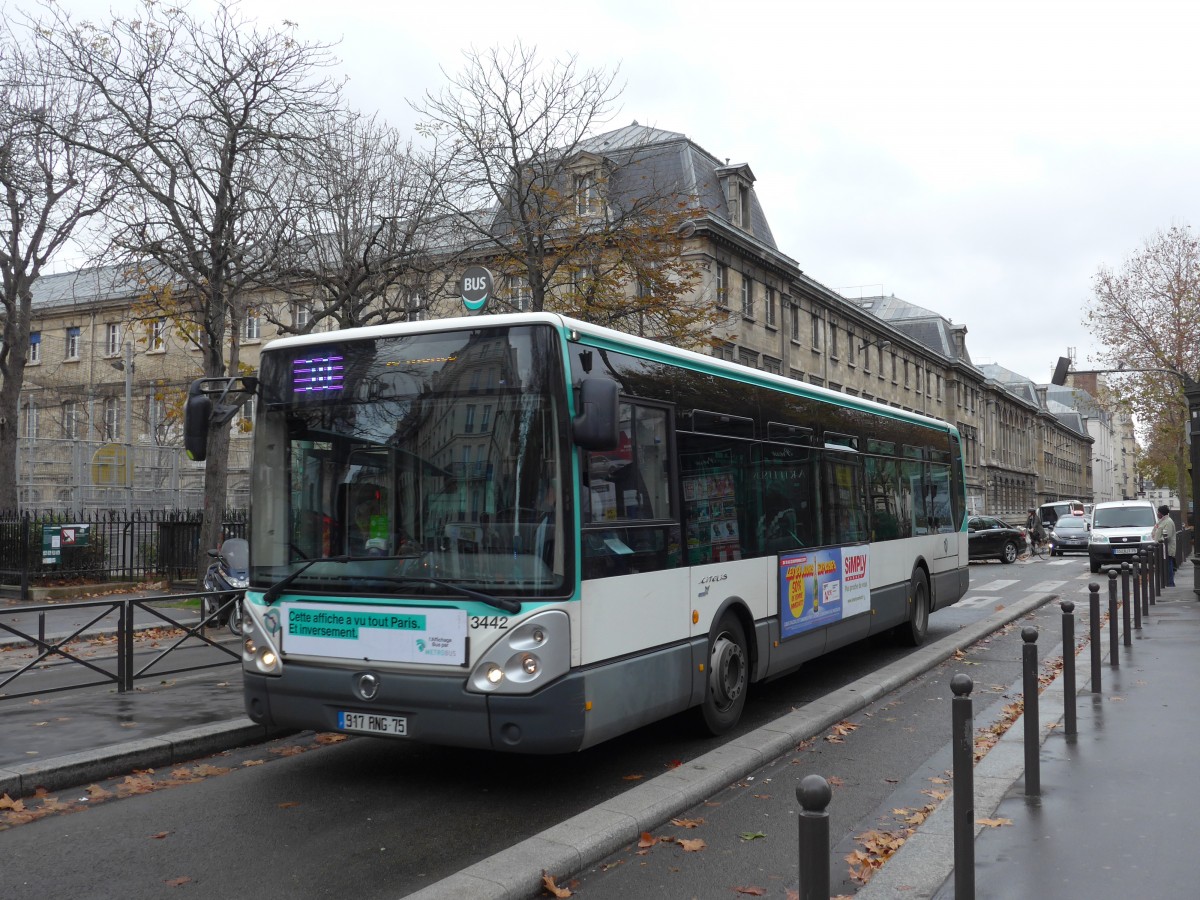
(597, 426)
(197, 413)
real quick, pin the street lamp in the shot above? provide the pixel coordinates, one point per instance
(1191, 391)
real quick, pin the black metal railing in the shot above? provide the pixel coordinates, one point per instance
(118, 629)
(96, 547)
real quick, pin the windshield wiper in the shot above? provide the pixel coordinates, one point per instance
(512, 606)
(273, 592)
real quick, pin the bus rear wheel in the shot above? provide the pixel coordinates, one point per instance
(728, 676)
(912, 632)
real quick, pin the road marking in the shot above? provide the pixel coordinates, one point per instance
(998, 585)
(1045, 586)
(969, 602)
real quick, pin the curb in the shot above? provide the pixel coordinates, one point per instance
(76, 769)
(570, 847)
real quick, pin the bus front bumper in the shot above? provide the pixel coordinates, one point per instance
(436, 708)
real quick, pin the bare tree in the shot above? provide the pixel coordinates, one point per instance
(205, 121)
(1146, 316)
(362, 247)
(52, 187)
(569, 224)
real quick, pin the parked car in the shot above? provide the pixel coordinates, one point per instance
(1070, 534)
(1119, 529)
(990, 538)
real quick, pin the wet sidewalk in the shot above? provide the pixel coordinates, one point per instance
(1116, 799)
(65, 738)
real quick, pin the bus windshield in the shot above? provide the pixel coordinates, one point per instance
(410, 464)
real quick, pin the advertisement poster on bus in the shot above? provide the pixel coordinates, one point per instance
(820, 587)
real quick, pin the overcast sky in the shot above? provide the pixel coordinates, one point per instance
(979, 159)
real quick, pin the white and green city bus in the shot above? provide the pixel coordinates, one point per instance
(528, 533)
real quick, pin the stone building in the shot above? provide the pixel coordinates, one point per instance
(106, 381)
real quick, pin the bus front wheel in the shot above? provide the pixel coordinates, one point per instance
(912, 632)
(728, 676)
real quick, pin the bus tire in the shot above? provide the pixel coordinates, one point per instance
(728, 676)
(913, 632)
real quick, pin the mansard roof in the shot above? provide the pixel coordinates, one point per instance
(924, 326)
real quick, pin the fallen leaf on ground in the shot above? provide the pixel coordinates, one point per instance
(687, 823)
(993, 823)
(554, 889)
(751, 835)
(751, 891)
(176, 882)
(691, 846)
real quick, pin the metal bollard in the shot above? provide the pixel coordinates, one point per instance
(1068, 623)
(963, 759)
(1029, 680)
(1152, 572)
(1146, 601)
(1114, 652)
(1137, 606)
(1094, 631)
(1124, 609)
(1163, 565)
(814, 794)
(1137, 585)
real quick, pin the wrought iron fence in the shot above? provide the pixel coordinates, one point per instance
(99, 546)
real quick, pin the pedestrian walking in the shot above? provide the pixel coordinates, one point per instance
(1037, 534)
(1164, 530)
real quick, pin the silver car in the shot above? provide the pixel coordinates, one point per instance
(1070, 535)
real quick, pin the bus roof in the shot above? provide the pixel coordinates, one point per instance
(598, 335)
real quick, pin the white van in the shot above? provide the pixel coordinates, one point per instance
(1119, 529)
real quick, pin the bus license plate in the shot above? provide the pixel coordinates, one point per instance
(352, 721)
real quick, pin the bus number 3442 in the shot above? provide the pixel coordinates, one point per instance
(500, 622)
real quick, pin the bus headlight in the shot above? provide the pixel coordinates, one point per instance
(526, 657)
(260, 653)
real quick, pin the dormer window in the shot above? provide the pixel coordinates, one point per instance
(587, 195)
(737, 183)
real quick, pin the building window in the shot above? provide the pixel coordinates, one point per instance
(744, 206)
(893, 368)
(907, 383)
(748, 358)
(747, 297)
(31, 420)
(723, 351)
(157, 336)
(251, 326)
(881, 364)
(156, 415)
(520, 297)
(796, 324)
(469, 426)
(867, 360)
(769, 303)
(722, 285)
(851, 350)
(816, 331)
(70, 419)
(774, 366)
(112, 419)
(485, 422)
(35, 348)
(112, 339)
(245, 418)
(301, 315)
(833, 340)
(587, 195)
